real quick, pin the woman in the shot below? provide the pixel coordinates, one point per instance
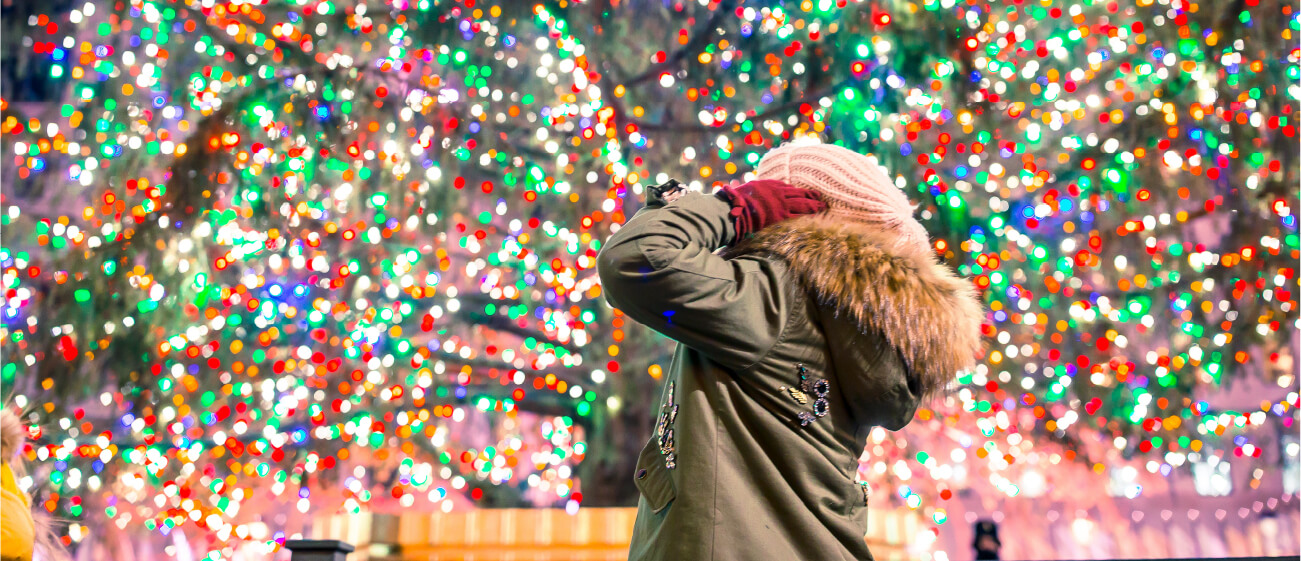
(21, 534)
(827, 315)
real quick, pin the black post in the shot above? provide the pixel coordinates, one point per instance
(318, 550)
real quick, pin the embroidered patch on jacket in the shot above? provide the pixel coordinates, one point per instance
(867, 492)
(799, 396)
(810, 388)
(664, 430)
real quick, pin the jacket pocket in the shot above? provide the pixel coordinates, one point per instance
(653, 479)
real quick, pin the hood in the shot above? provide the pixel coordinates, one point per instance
(884, 291)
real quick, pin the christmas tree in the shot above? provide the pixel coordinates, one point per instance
(341, 256)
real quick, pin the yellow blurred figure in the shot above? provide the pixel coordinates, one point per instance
(17, 529)
(21, 534)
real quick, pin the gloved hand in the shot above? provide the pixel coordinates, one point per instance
(766, 201)
(657, 196)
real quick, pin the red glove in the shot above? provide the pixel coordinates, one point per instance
(759, 203)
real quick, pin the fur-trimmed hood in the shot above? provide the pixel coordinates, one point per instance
(921, 308)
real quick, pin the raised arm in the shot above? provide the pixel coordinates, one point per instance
(661, 270)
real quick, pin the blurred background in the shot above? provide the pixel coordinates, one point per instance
(316, 268)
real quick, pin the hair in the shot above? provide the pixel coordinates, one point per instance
(12, 436)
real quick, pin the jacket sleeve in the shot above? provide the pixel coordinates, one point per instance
(661, 270)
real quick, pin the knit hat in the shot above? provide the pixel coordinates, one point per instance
(855, 187)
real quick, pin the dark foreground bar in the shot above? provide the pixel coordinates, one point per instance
(1285, 558)
(318, 550)
(334, 550)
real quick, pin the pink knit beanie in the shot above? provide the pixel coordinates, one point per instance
(855, 187)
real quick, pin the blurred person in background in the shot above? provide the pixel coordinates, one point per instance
(23, 537)
(987, 543)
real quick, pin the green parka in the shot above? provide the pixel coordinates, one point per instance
(792, 346)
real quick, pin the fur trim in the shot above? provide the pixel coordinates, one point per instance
(11, 434)
(929, 314)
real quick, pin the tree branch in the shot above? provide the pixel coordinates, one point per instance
(699, 37)
(768, 113)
